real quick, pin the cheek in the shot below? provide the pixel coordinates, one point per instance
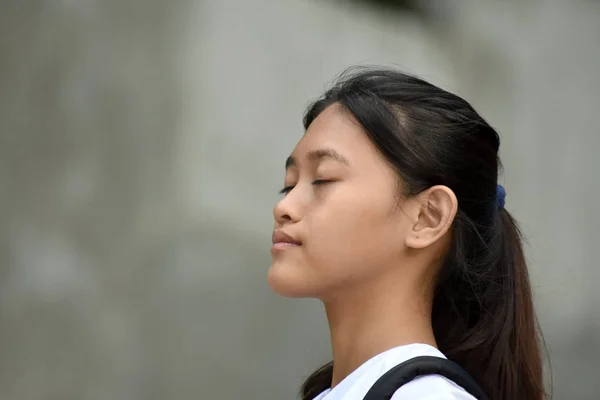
(353, 237)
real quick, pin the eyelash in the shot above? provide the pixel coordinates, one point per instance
(288, 189)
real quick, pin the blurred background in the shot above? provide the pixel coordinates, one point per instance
(142, 146)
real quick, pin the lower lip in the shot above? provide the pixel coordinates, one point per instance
(283, 246)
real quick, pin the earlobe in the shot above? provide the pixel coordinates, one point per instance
(437, 209)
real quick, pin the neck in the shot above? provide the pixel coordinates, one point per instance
(368, 323)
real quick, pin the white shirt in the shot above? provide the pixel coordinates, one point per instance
(428, 387)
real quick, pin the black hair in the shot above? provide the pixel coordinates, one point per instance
(483, 316)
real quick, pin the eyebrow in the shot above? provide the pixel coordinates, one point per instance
(318, 155)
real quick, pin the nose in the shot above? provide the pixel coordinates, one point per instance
(285, 211)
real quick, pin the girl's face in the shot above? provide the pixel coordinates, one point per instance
(338, 223)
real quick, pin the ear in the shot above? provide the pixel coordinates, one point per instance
(435, 212)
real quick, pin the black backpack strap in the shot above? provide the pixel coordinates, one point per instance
(391, 381)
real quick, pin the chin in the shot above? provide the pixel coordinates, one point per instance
(287, 281)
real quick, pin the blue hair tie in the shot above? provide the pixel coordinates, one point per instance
(500, 196)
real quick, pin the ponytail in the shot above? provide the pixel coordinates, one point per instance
(521, 371)
(483, 315)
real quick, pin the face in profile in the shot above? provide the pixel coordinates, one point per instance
(338, 224)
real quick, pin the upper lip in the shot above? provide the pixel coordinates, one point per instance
(280, 236)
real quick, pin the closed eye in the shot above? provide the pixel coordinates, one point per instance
(288, 189)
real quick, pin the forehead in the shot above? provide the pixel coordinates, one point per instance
(336, 129)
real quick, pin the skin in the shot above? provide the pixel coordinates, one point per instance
(370, 255)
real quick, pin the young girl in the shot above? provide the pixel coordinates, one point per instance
(392, 216)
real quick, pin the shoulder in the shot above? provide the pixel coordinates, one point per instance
(431, 387)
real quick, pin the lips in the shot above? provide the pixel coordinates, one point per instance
(282, 238)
